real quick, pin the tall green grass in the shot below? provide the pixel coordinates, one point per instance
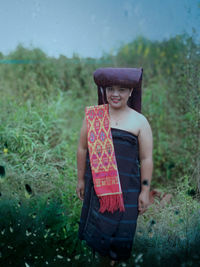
(42, 107)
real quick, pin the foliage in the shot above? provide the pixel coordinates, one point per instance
(171, 235)
(42, 106)
(36, 233)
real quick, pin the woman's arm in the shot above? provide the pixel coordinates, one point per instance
(146, 163)
(81, 160)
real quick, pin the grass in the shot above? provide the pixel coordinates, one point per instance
(171, 234)
(39, 131)
(38, 151)
(38, 143)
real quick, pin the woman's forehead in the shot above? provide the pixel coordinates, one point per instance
(117, 87)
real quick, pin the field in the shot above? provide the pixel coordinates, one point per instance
(42, 107)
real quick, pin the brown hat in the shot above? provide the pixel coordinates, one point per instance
(124, 77)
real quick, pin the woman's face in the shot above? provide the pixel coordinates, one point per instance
(117, 97)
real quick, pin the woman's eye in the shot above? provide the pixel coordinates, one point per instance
(121, 89)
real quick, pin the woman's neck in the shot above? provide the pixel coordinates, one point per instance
(117, 111)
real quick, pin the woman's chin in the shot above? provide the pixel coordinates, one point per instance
(116, 104)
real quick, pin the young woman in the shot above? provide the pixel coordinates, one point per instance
(110, 229)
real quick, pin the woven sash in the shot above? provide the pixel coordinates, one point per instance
(102, 159)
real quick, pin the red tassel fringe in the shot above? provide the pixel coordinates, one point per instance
(111, 203)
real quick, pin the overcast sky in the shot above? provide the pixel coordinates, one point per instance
(91, 27)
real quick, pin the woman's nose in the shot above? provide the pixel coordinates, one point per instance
(115, 92)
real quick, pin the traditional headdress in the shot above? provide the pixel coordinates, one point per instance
(124, 77)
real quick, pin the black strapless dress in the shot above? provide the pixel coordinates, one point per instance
(112, 234)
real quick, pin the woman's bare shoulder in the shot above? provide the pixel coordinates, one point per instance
(138, 116)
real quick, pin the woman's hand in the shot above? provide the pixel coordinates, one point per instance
(80, 188)
(143, 201)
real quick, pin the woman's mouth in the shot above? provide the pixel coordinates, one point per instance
(114, 100)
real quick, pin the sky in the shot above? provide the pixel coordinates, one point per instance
(91, 28)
